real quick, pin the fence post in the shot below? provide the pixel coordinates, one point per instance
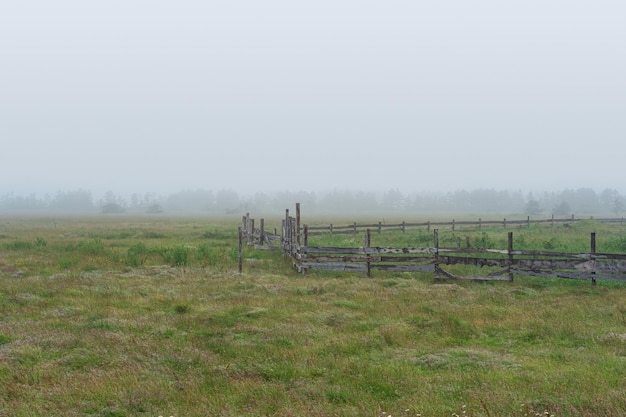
(294, 245)
(380, 227)
(504, 222)
(286, 232)
(247, 229)
(510, 250)
(283, 235)
(528, 221)
(593, 258)
(436, 238)
(298, 223)
(240, 259)
(368, 242)
(251, 233)
(480, 223)
(403, 226)
(552, 221)
(305, 242)
(354, 228)
(331, 228)
(453, 224)
(262, 232)
(428, 226)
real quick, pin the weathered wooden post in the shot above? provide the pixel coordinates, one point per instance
(593, 258)
(380, 227)
(240, 250)
(428, 226)
(298, 223)
(528, 221)
(283, 235)
(296, 246)
(354, 228)
(504, 222)
(286, 242)
(480, 223)
(368, 242)
(552, 221)
(436, 261)
(251, 233)
(305, 242)
(262, 232)
(403, 226)
(453, 225)
(510, 261)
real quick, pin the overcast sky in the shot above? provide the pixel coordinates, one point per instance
(160, 96)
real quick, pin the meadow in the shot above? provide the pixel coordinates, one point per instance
(148, 316)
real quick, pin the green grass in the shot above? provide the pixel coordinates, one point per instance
(134, 317)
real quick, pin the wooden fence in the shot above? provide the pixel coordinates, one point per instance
(293, 241)
(453, 225)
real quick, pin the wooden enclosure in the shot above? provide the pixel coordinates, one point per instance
(503, 263)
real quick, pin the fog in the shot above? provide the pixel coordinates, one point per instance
(265, 96)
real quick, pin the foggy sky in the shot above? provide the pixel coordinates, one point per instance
(159, 96)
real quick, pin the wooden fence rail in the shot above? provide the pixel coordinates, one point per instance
(293, 241)
(453, 224)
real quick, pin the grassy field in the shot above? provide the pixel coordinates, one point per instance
(121, 316)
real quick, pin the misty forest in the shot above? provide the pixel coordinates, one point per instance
(582, 201)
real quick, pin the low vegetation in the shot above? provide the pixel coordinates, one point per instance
(148, 316)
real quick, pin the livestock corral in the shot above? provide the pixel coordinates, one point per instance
(457, 243)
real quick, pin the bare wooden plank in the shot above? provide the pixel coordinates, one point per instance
(386, 258)
(402, 250)
(481, 262)
(362, 250)
(405, 268)
(323, 259)
(332, 249)
(348, 267)
(551, 264)
(474, 250)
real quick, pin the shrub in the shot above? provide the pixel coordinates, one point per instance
(177, 256)
(41, 242)
(136, 254)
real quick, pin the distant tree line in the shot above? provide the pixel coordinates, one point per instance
(580, 201)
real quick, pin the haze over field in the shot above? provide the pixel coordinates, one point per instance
(159, 96)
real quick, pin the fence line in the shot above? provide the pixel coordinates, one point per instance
(293, 241)
(404, 226)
